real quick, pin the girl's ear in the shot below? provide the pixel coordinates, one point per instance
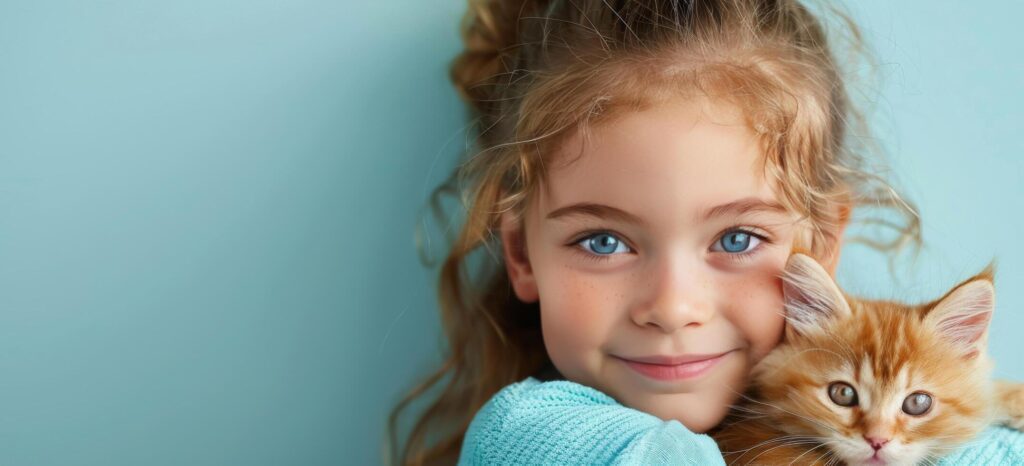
(517, 262)
(830, 263)
(811, 296)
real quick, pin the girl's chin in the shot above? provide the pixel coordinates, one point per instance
(697, 411)
(699, 403)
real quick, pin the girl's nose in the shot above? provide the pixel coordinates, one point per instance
(678, 296)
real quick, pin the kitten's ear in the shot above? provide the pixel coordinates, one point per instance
(962, 316)
(811, 296)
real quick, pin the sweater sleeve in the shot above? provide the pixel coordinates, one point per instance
(995, 446)
(562, 422)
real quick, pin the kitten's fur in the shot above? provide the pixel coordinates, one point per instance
(885, 351)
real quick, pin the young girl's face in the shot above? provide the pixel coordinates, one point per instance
(655, 258)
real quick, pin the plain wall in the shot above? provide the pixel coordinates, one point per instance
(207, 212)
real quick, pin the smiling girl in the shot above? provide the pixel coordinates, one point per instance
(653, 258)
(643, 170)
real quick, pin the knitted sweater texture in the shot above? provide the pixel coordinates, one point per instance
(563, 422)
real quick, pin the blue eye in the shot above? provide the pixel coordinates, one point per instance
(603, 244)
(738, 241)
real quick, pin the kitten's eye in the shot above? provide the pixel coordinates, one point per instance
(917, 404)
(843, 394)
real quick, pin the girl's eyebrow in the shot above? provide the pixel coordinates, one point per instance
(595, 210)
(742, 206)
(737, 207)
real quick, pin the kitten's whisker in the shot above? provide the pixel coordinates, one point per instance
(827, 453)
(971, 442)
(813, 421)
(806, 452)
(771, 440)
(777, 446)
(737, 421)
(742, 408)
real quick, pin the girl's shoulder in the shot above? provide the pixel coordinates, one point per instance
(560, 421)
(532, 393)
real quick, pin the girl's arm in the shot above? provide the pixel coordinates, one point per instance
(533, 422)
(997, 445)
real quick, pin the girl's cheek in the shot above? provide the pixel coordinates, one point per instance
(578, 312)
(758, 310)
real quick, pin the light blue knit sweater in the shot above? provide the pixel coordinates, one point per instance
(562, 422)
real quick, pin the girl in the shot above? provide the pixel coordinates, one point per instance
(645, 170)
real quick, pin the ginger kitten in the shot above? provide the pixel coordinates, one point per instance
(871, 382)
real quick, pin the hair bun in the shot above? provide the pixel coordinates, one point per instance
(489, 32)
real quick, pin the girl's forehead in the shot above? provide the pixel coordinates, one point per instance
(677, 157)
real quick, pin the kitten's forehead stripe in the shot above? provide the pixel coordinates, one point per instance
(902, 383)
(884, 335)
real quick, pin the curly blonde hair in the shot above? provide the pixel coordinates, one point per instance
(535, 71)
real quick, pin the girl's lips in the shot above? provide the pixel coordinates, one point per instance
(674, 368)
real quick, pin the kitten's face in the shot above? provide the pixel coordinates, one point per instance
(879, 382)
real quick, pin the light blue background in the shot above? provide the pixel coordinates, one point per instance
(207, 213)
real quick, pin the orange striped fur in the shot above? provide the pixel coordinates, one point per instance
(885, 351)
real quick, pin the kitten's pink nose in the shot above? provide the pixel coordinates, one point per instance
(876, 442)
